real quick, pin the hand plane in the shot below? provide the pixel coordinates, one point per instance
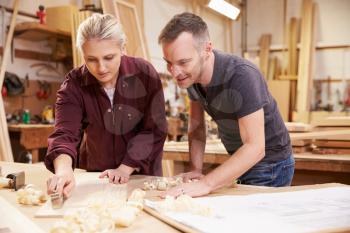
(13, 181)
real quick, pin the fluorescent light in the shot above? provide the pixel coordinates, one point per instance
(224, 8)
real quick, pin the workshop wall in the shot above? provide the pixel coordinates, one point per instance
(332, 23)
(158, 13)
(52, 73)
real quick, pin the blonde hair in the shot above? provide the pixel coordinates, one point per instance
(100, 26)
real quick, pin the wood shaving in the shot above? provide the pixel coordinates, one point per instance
(30, 195)
(162, 184)
(103, 214)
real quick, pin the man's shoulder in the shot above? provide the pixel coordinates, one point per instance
(230, 65)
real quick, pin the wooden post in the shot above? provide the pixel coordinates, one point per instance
(305, 69)
(5, 145)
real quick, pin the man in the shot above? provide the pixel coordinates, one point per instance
(233, 92)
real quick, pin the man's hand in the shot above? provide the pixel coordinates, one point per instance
(194, 189)
(120, 175)
(62, 182)
(195, 174)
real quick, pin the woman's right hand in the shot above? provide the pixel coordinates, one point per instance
(62, 182)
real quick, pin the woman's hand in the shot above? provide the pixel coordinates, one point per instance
(120, 175)
(62, 182)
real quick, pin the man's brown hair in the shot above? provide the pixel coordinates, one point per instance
(184, 22)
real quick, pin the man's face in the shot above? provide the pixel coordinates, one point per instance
(184, 61)
(102, 58)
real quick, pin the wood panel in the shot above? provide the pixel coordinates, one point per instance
(136, 44)
(305, 69)
(264, 44)
(64, 14)
(77, 19)
(280, 91)
(292, 68)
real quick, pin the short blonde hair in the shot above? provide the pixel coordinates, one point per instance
(100, 26)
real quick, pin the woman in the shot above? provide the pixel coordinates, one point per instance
(110, 113)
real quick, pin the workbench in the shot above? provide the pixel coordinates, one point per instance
(309, 168)
(37, 174)
(31, 136)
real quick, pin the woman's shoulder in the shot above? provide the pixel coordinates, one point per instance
(140, 65)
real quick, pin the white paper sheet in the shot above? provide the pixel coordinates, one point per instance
(299, 211)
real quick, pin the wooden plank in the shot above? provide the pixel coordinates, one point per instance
(305, 69)
(280, 91)
(264, 44)
(298, 127)
(301, 149)
(34, 31)
(334, 151)
(301, 142)
(332, 121)
(273, 63)
(328, 143)
(292, 47)
(327, 134)
(108, 7)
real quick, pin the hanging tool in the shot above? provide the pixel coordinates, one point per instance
(41, 14)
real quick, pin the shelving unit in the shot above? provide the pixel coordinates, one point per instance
(37, 32)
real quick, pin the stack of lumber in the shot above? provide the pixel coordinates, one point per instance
(332, 146)
(302, 146)
(322, 140)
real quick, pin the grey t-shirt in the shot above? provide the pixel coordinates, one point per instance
(238, 89)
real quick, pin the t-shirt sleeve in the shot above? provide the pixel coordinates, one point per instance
(192, 93)
(249, 83)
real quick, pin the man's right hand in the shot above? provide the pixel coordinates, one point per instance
(62, 182)
(194, 174)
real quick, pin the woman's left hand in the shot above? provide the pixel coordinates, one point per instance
(119, 175)
(193, 189)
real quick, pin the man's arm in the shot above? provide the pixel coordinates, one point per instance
(252, 133)
(196, 136)
(253, 150)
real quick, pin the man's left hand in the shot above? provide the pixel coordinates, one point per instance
(193, 189)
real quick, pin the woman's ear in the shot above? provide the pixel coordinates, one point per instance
(123, 49)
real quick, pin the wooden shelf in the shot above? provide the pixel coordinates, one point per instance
(279, 48)
(37, 32)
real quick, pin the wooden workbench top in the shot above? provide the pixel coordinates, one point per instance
(37, 174)
(19, 127)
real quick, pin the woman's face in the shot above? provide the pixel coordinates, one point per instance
(102, 58)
